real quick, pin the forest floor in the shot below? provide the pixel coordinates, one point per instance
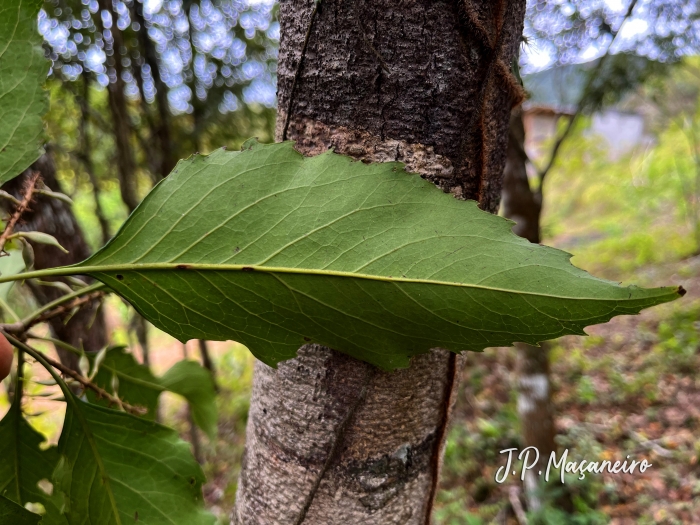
(630, 389)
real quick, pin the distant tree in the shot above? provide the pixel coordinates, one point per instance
(179, 77)
(177, 74)
(566, 32)
(86, 329)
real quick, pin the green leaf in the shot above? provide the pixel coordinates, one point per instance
(194, 383)
(138, 386)
(41, 238)
(10, 265)
(13, 514)
(23, 101)
(24, 464)
(274, 250)
(116, 468)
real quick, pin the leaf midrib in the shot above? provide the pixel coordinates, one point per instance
(131, 379)
(90, 438)
(184, 267)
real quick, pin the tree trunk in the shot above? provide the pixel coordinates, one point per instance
(87, 327)
(126, 163)
(331, 440)
(207, 361)
(161, 131)
(519, 202)
(535, 407)
(86, 156)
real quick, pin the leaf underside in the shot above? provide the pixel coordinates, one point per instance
(13, 514)
(23, 101)
(24, 464)
(138, 386)
(275, 250)
(117, 468)
(136, 383)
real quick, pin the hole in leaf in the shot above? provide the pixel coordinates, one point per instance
(46, 486)
(35, 507)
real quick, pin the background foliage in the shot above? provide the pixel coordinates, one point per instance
(199, 75)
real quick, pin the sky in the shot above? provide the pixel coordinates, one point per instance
(220, 55)
(221, 52)
(637, 33)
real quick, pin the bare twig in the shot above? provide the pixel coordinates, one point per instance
(514, 498)
(650, 444)
(207, 362)
(85, 382)
(592, 77)
(61, 306)
(29, 188)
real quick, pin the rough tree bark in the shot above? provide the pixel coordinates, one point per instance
(87, 327)
(535, 409)
(331, 440)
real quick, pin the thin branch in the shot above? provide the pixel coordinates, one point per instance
(514, 498)
(56, 342)
(94, 115)
(650, 444)
(86, 160)
(207, 362)
(592, 77)
(47, 362)
(30, 185)
(560, 140)
(57, 308)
